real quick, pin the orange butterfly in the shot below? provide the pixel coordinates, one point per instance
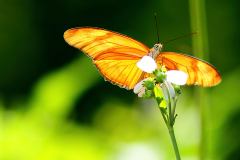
(116, 55)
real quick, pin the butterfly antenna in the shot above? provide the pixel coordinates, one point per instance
(180, 37)
(155, 15)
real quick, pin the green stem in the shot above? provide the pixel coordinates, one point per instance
(169, 106)
(174, 107)
(174, 142)
(170, 121)
(172, 135)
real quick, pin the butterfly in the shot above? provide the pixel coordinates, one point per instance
(116, 55)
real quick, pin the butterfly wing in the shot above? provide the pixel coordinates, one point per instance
(199, 72)
(114, 54)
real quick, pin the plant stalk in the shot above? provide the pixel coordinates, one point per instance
(170, 121)
(174, 142)
(200, 50)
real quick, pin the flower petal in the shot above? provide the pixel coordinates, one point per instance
(167, 87)
(147, 64)
(177, 77)
(137, 88)
(142, 92)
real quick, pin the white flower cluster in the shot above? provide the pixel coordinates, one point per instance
(148, 64)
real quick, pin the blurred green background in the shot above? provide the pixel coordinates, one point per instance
(55, 105)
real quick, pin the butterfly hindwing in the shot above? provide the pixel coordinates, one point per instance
(124, 73)
(199, 72)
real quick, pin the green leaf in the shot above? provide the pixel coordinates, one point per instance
(163, 104)
(158, 92)
(160, 97)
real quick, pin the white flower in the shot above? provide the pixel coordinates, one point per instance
(177, 77)
(147, 64)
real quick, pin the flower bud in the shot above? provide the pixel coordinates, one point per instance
(177, 89)
(160, 76)
(149, 84)
(148, 94)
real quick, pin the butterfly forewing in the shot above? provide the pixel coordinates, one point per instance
(114, 54)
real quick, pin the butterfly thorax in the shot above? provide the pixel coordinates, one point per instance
(155, 51)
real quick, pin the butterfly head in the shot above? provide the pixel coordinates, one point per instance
(157, 47)
(154, 52)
